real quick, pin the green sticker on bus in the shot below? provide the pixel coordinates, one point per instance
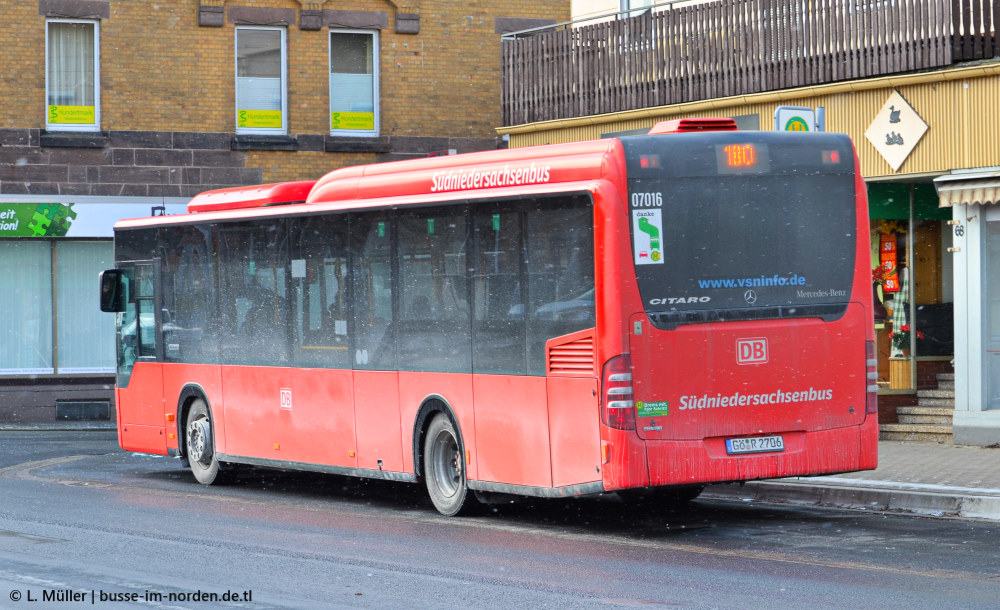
(658, 408)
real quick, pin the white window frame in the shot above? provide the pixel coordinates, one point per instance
(59, 126)
(283, 129)
(375, 84)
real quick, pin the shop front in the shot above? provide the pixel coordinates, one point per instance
(56, 348)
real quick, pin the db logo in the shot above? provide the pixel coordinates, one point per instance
(751, 351)
(286, 398)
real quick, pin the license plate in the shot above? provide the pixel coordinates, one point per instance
(755, 444)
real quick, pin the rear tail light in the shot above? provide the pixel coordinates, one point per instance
(617, 403)
(871, 366)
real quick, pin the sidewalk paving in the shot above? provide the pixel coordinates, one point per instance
(930, 479)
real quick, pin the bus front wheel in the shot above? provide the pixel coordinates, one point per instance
(200, 444)
(444, 467)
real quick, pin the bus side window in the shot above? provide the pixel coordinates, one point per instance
(559, 254)
(433, 330)
(498, 313)
(319, 291)
(187, 298)
(146, 311)
(372, 295)
(253, 280)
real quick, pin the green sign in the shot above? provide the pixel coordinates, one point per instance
(796, 124)
(35, 220)
(652, 409)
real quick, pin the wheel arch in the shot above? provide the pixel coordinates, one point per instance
(188, 394)
(429, 407)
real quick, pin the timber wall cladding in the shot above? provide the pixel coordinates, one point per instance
(734, 47)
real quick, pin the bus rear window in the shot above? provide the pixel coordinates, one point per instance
(738, 226)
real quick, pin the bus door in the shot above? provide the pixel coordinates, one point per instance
(131, 291)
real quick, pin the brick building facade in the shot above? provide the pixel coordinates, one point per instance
(113, 107)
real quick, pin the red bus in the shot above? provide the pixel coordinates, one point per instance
(652, 311)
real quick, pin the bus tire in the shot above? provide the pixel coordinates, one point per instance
(200, 444)
(444, 467)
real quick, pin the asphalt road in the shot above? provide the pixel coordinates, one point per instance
(82, 522)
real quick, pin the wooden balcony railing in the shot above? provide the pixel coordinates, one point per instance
(734, 47)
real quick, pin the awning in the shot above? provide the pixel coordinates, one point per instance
(967, 188)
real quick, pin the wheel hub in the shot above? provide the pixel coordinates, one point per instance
(199, 441)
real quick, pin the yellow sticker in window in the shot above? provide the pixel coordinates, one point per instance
(259, 119)
(362, 121)
(72, 115)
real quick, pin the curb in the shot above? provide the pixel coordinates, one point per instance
(859, 494)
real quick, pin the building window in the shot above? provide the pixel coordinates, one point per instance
(72, 75)
(354, 83)
(261, 103)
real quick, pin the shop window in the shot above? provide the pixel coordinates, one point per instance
(44, 332)
(26, 303)
(912, 279)
(261, 105)
(991, 305)
(72, 76)
(86, 336)
(354, 83)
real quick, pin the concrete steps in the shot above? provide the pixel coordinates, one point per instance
(937, 416)
(916, 432)
(930, 420)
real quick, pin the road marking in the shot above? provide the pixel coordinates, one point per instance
(26, 470)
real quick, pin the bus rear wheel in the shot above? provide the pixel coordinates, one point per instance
(444, 467)
(200, 445)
